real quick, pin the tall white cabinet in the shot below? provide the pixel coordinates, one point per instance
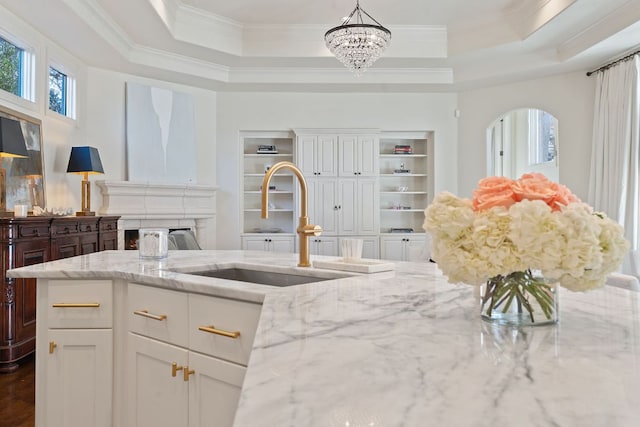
(341, 172)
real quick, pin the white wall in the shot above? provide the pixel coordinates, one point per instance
(569, 97)
(284, 111)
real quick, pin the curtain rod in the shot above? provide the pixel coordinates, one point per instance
(616, 62)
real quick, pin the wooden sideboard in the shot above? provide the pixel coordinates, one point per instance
(32, 240)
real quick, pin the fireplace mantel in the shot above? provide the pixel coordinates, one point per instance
(145, 204)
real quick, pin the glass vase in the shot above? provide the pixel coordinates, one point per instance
(521, 298)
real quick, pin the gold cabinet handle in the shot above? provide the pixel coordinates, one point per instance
(52, 346)
(212, 330)
(76, 305)
(175, 368)
(187, 372)
(145, 313)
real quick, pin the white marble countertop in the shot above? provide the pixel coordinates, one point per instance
(405, 348)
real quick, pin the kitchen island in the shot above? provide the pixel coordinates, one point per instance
(401, 347)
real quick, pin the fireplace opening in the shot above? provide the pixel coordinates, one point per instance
(131, 237)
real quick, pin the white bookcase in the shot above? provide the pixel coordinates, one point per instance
(281, 223)
(406, 181)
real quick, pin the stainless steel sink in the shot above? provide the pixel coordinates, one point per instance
(264, 277)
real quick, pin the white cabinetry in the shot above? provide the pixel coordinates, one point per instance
(323, 245)
(403, 247)
(342, 199)
(74, 353)
(187, 357)
(268, 242)
(281, 197)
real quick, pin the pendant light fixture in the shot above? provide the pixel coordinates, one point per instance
(358, 44)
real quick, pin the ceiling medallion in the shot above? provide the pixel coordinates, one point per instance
(358, 45)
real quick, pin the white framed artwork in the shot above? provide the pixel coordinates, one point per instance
(161, 143)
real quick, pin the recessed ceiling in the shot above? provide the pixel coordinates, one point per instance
(278, 44)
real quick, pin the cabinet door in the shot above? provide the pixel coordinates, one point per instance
(327, 155)
(368, 212)
(214, 391)
(392, 248)
(348, 152)
(325, 205)
(254, 243)
(307, 154)
(370, 247)
(348, 206)
(281, 244)
(324, 246)
(156, 397)
(414, 249)
(79, 378)
(367, 156)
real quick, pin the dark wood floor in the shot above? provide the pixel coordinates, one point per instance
(17, 396)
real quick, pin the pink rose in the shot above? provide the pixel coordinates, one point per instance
(493, 191)
(536, 186)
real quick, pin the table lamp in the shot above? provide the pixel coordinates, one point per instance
(85, 160)
(12, 144)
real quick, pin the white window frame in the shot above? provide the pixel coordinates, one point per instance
(68, 68)
(29, 62)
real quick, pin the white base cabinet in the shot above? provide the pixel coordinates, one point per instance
(404, 247)
(127, 354)
(269, 243)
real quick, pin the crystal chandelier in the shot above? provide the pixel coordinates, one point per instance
(358, 45)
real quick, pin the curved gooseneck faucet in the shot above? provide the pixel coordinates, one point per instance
(304, 229)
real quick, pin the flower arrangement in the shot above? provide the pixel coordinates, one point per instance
(514, 233)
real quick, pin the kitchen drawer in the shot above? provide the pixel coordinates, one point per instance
(33, 230)
(159, 313)
(80, 304)
(220, 315)
(64, 228)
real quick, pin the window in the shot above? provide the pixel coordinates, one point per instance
(57, 91)
(542, 137)
(11, 58)
(61, 93)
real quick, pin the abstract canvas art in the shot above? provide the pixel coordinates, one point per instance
(160, 135)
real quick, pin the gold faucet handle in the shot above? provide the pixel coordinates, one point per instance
(312, 230)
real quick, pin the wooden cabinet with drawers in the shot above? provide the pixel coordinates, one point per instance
(32, 240)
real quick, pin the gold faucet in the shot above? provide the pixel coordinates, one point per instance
(304, 229)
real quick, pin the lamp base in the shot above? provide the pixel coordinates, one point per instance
(85, 213)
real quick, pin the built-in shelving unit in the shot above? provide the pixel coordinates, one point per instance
(281, 222)
(406, 181)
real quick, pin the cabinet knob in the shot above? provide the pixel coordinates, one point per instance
(355, 173)
(187, 372)
(52, 346)
(175, 368)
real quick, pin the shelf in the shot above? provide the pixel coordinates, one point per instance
(268, 155)
(404, 192)
(270, 210)
(400, 175)
(401, 210)
(391, 156)
(263, 174)
(270, 192)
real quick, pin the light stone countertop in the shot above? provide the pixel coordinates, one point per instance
(406, 348)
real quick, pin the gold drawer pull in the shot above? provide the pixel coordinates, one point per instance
(145, 313)
(187, 372)
(76, 305)
(175, 368)
(52, 346)
(212, 330)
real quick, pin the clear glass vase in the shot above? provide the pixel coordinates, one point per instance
(521, 298)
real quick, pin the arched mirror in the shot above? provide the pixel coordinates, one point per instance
(521, 141)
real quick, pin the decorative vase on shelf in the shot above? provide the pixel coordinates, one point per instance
(522, 298)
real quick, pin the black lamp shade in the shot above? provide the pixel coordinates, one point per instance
(84, 160)
(11, 139)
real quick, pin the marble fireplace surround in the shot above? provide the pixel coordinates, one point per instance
(144, 204)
